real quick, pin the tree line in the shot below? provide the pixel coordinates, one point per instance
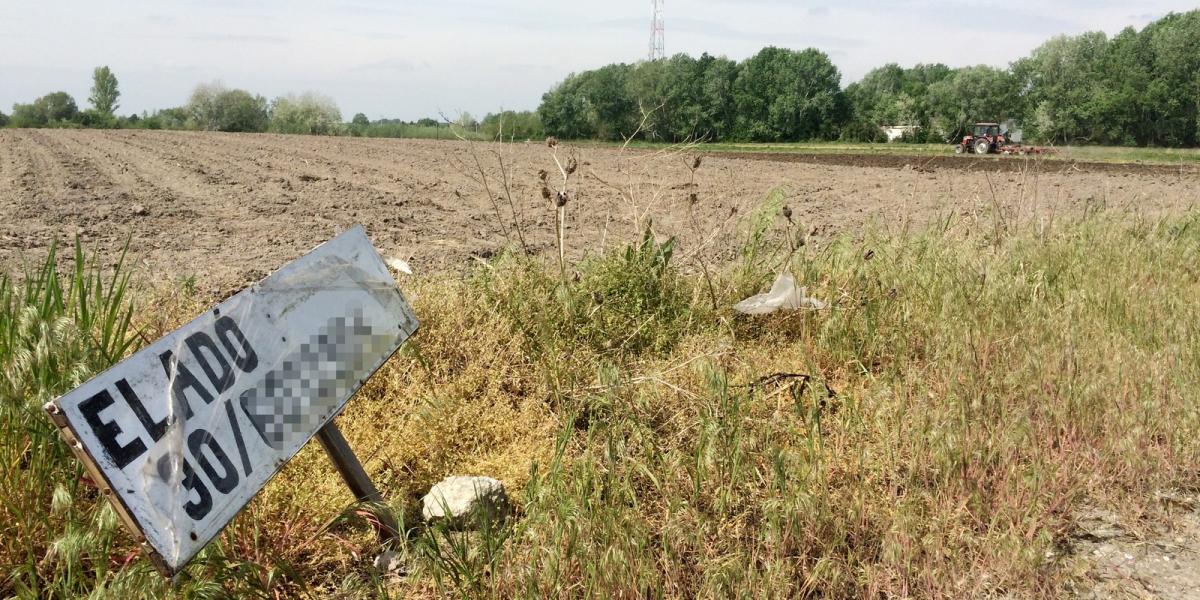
(60, 109)
(214, 107)
(1136, 88)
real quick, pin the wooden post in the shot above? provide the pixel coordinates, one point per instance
(355, 476)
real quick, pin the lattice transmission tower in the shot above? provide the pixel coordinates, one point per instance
(657, 32)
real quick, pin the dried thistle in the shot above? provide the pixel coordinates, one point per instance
(787, 213)
(562, 200)
(545, 192)
(572, 164)
(543, 175)
(693, 198)
(696, 163)
(551, 142)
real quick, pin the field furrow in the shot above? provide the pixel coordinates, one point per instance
(231, 207)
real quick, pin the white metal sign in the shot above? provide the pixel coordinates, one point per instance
(186, 431)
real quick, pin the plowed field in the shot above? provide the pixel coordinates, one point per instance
(228, 208)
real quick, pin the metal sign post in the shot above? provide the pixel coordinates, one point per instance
(356, 477)
(184, 433)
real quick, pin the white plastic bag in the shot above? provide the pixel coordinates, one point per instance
(399, 265)
(783, 294)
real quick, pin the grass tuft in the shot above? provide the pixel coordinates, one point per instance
(931, 434)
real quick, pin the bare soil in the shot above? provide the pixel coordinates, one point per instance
(1121, 558)
(970, 162)
(228, 208)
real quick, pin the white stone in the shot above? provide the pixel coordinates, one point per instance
(390, 562)
(460, 497)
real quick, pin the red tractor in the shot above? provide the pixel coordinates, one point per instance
(985, 139)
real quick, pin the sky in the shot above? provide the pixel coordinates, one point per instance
(411, 59)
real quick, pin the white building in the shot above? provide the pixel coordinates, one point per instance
(895, 132)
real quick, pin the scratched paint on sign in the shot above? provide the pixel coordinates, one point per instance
(186, 431)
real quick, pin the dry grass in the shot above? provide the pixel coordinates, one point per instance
(927, 436)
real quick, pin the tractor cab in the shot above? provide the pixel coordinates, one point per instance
(984, 138)
(987, 130)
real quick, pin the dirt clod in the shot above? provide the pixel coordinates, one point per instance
(204, 208)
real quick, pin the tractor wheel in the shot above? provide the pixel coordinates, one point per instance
(982, 146)
(958, 148)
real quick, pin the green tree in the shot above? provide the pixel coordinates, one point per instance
(647, 88)
(167, 118)
(1174, 81)
(670, 95)
(564, 108)
(1136, 88)
(242, 111)
(672, 100)
(53, 109)
(788, 95)
(612, 113)
(202, 106)
(173, 118)
(3, 119)
(1063, 82)
(57, 107)
(512, 125)
(360, 120)
(874, 102)
(27, 115)
(104, 90)
(212, 107)
(893, 95)
(466, 121)
(1128, 71)
(717, 108)
(971, 94)
(1140, 87)
(96, 119)
(308, 113)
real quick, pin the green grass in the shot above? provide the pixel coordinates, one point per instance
(1187, 156)
(1147, 155)
(930, 435)
(407, 131)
